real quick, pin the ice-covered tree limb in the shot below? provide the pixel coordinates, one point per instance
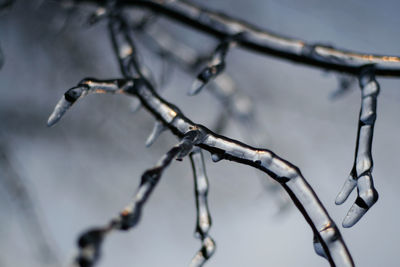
(289, 176)
(360, 174)
(254, 38)
(233, 100)
(203, 214)
(327, 237)
(125, 49)
(215, 65)
(90, 241)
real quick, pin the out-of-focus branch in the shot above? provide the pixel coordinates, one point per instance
(234, 102)
(4, 5)
(32, 223)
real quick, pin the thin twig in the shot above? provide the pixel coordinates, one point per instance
(360, 174)
(203, 214)
(90, 241)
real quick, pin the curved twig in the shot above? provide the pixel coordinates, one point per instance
(361, 173)
(203, 214)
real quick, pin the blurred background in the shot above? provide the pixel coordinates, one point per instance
(56, 182)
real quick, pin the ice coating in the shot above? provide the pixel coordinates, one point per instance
(90, 242)
(361, 173)
(222, 148)
(215, 66)
(203, 214)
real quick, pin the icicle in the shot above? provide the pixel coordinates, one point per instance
(360, 174)
(155, 133)
(1, 58)
(196, 87)
(62, 106)
(216, 157)
(216, 65)
(318, 248)
(367, 196)
(203, 215)
(346, 190)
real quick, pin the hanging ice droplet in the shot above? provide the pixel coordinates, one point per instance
(155, 133)
(318, 248)
(202, 79)
(196, 87)
(354, 215)
(135, 105)
(216, 157)
(62, 106)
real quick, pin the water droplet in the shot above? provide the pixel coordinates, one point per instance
(216, 157)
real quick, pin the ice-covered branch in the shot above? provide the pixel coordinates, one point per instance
(90, 241)
(327, 238)
(233, 100)
(257, 39)
(215, 65)
(288, 175)
(360, 174)
(125, 49)
(203, 214)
